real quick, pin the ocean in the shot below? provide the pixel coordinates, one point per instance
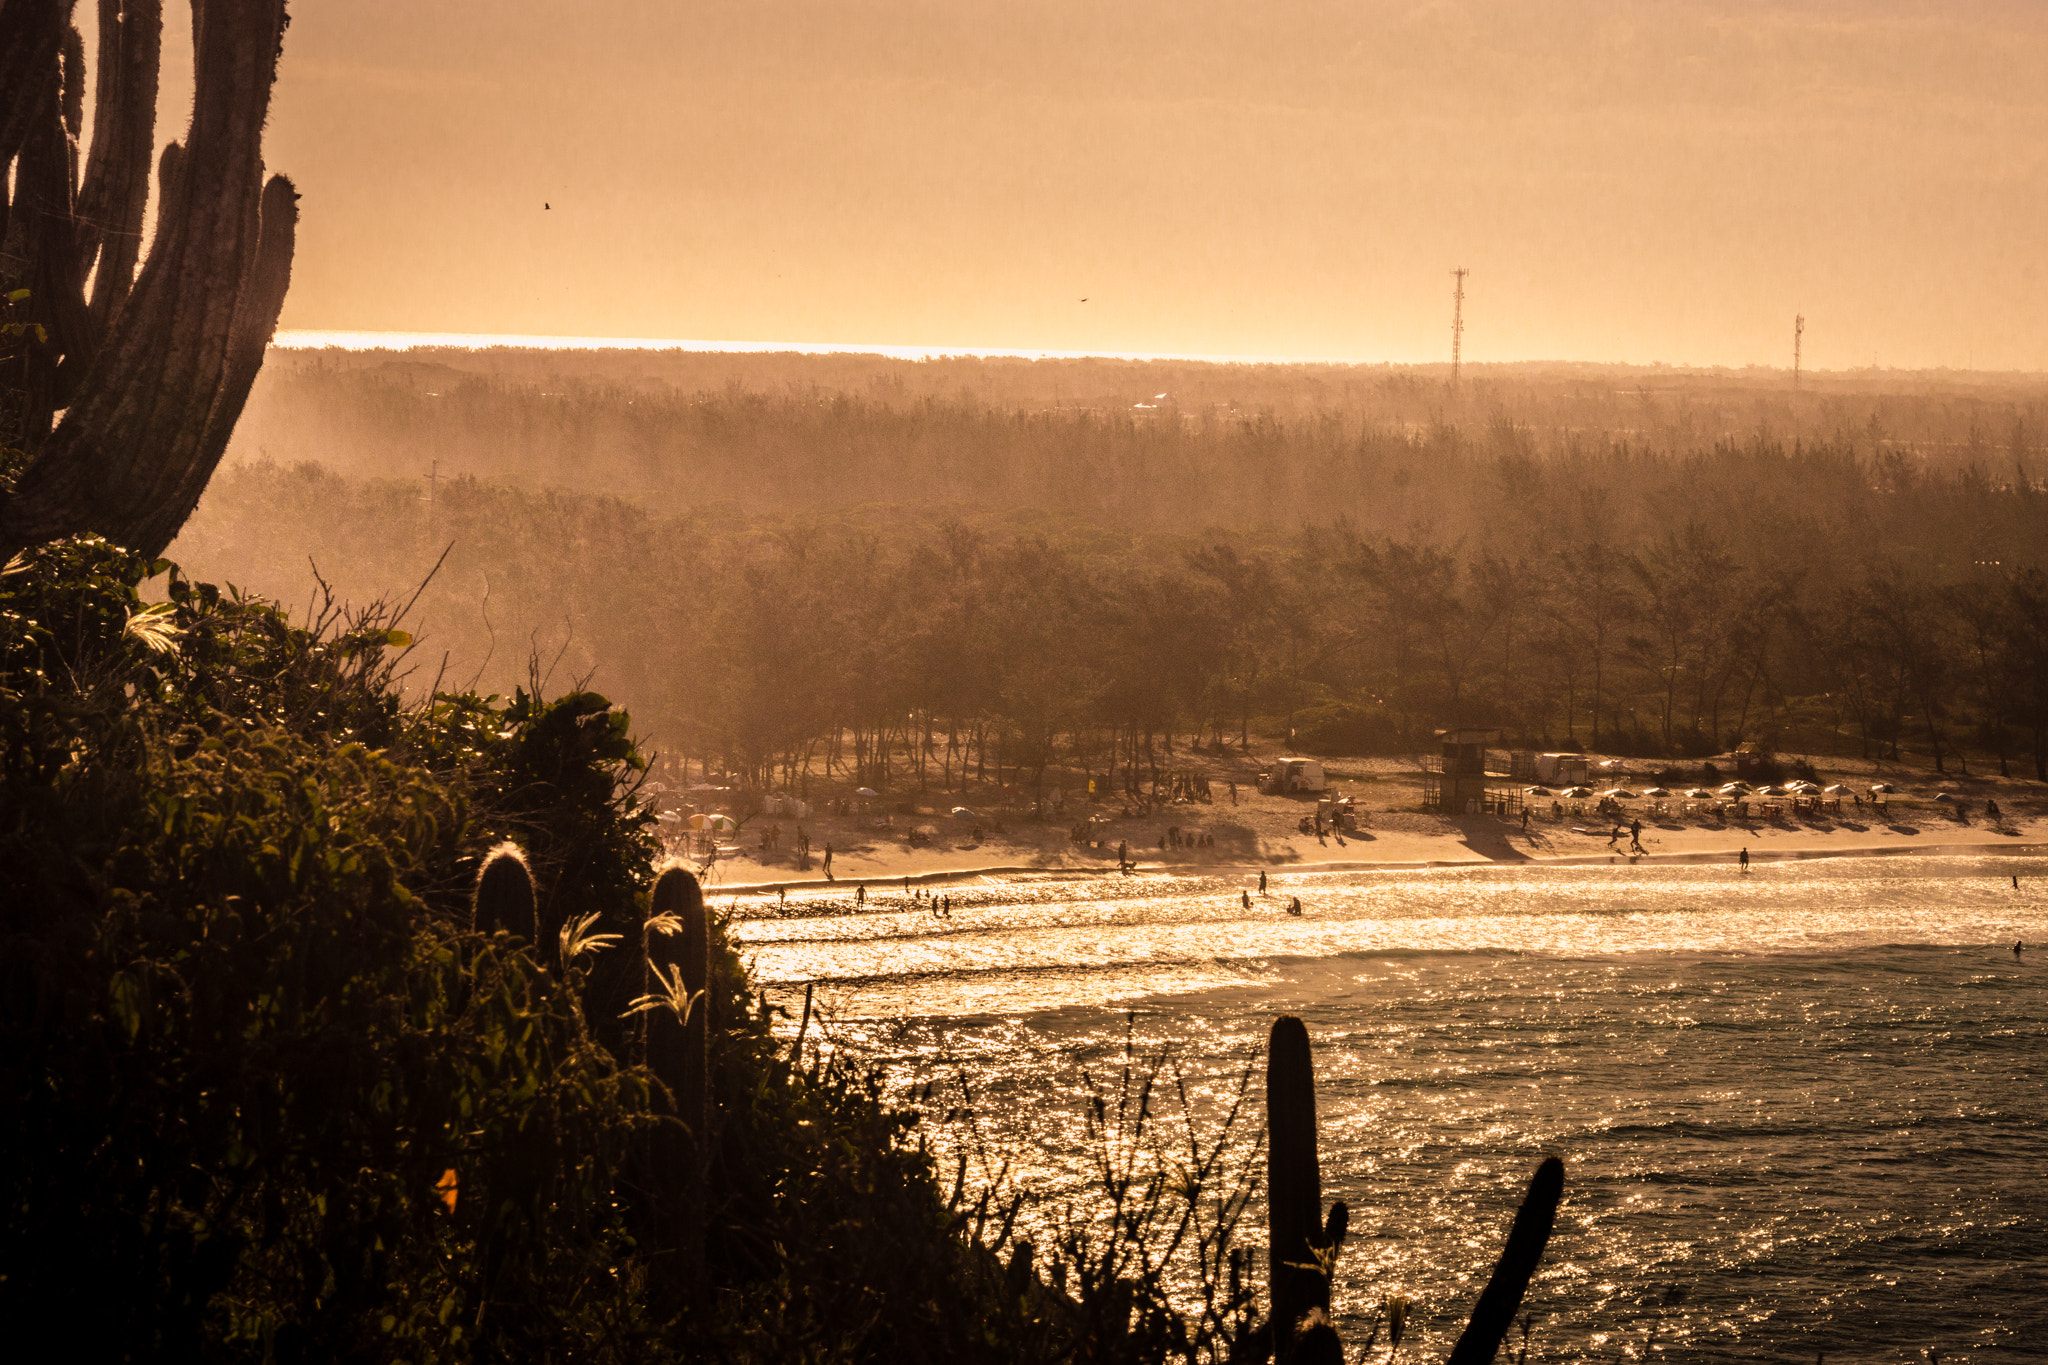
(1802, 1110)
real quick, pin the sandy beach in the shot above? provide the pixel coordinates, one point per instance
(1261, 831)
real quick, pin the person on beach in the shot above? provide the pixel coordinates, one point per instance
(1262, 883)
(1233, 793)
(1745, 859)
(828, 862)
(1294, 906)
(860, 894)
(1247, 898)
(2017, 946)
(1525, 819)
(1991, 811)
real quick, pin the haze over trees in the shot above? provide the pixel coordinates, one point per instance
(992, 567)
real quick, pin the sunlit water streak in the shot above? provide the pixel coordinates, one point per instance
(1810, 1099)
(306, 339)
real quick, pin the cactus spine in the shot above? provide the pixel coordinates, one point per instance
(1495, 1312)
(1301, 1246)
(679, 1051)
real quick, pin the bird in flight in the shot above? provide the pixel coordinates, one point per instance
(547, 205)
(1084, 300)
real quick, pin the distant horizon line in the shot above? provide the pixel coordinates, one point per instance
(356, 339)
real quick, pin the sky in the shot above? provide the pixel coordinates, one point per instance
(1626, 180)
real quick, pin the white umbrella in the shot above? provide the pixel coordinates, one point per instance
(1882, 787)
(1619, 794)
(1535, 791)
(1735, 789)
(1773, 791)
(1657, 792)
(1577, 793)
(1833, 789)
(1943, 796)
(867, 791)
(962, 813)
(1698, 794)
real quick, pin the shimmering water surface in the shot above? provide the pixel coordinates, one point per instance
(1803, 1110)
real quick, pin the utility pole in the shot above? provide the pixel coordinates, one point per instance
(1457, 321)
(433, 486)
(1798, 330)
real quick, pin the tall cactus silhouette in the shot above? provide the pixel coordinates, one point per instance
(679, 1052)
(504, 895)
(150, 371)
(1494, 1314)
(1301, 1245)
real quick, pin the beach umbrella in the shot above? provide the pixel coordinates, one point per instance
(1578, 793)
(962, 813)
(867, 791)
(1735, 789)
(1943, 796)
(1619, 794)
(1882, 787)
(1698, 794)
(1535, 791)
(1656, 792)
(715, 824)
(1774, 791)
(1833, 789)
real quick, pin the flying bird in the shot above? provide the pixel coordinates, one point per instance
(546, 205)
(1084, 300)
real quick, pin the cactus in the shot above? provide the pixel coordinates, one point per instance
(1494, 1314)
(151, 375)
(679, 1051)
(1301, 1245)
(504, 895)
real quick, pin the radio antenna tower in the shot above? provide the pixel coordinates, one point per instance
(1457, 320)
(1798, 330)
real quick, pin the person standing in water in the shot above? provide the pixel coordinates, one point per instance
(1247, 896)
(860, 894)
(2017, 946)
(1262, 883)
(1745, 859)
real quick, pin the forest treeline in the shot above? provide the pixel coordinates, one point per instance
(1160, 445)
(1820, 597)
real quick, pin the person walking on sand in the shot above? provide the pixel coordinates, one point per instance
(828, 862)
(1233, 793)
(1745, 858)
(1525, 819)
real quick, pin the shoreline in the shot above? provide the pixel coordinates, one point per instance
(1691, 858)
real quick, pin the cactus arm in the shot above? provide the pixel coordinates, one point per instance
(679, 1051)
(1495, 1312)
(1294, 1186)
(115, 190)
(150, 420)
(31, 34)
(504, 895)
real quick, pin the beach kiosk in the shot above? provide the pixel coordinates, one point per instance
(1467, 779)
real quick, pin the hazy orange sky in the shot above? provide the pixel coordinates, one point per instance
(1626, 181)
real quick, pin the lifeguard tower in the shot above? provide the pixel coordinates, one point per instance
(1468, 779)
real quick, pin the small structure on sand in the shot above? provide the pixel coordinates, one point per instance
(1468, 779)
